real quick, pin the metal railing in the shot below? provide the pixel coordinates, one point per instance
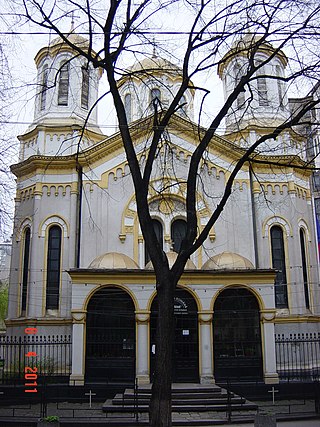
(298, 356)
(51, 355)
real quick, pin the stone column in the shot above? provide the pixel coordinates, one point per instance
(206, 347)
(142, 351)
(268, 347)
(78, 347)
(141, 250)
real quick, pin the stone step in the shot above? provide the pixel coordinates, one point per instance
(195, 400)
(182, 395)
(108, 407)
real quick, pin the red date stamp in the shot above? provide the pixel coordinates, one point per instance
(30, 373)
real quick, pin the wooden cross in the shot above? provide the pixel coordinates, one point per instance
(90, 394)
(273, 391)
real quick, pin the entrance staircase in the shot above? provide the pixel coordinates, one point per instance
(192, 405)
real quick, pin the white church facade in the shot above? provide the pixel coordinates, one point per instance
(79, 265)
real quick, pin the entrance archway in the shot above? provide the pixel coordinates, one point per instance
(110, 336)
(185, 345)
(237, 336)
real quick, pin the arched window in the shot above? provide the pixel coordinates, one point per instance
(237, 78)
(63, 88)
(280, 87)
(262, 87)
(44, 87)
(157, 226)
(127, 106)
(25, 271)
(53, 267)
(85, 88)
(183, 106)
(279, 264)
(304, 267)
(155, 95)
(178, 232)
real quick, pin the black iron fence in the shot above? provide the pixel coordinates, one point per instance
(46, 355)
(298, 356)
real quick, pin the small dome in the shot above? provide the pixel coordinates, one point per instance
(172, 256)
(227, 261)
(113, 260)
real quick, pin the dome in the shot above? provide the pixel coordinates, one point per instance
(153, 64)
(227, 261)
(74, 38)
(172, 256)
(114, 260)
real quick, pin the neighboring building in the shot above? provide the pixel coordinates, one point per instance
(79, 264)
(5, 258)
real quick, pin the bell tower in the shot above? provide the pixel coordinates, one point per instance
(67, 88)
(264, 102)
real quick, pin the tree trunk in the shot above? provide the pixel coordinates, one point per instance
(160, 414)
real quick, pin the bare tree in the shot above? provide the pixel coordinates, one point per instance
(7, 149)
(211, 35)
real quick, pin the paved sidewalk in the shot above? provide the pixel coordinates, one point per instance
(71, 412)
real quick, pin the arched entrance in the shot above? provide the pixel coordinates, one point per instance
(185, 345)
(237, 337)
(110, 336)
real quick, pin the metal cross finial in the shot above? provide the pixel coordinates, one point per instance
(73, 16)
(72, 21)
(154, 54)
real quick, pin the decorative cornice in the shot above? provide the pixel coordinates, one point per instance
(38, 321)
(196, 277)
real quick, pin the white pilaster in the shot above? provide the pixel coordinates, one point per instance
(206, 346)
(269, 348)
(78, 344)
(142, 367)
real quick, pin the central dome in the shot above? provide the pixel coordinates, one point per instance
(155, 64)
(114, 260)
(172, 256)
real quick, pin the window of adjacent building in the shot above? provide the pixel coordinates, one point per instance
(25, 271)
(53, 267)
(158, 229)
(44, 87)
(178, 233)
(63, 88)
(262, 87)
(85, 88)
(237, 78)
(279, 264)
(127, 106)
(304, 267)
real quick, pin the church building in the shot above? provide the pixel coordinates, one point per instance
(79, 265)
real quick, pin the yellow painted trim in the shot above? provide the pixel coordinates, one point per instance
(249, 288)
(110, 284)
(51, 220)
(274, 220)
(298, 319)
(189, 277)
(34, 321)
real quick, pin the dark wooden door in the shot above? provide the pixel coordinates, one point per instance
(185, 346)
(110, 337)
